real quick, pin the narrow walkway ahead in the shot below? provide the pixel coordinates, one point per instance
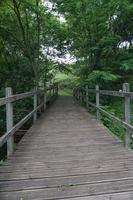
(67, 154)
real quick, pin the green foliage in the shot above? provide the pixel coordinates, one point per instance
(66, 83)
(98, 31)
(116, 110)
(96, 76)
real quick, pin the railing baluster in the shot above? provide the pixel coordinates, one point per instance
(9, 122)
(97, 102)
(126, 88)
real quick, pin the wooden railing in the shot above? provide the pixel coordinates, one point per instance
(82, 95)
(50, 94)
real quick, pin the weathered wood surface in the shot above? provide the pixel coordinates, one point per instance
(16, 97)
(68, 154)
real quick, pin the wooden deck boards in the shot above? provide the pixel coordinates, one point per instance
(68, 155)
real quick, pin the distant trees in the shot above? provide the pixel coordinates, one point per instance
(101, 38)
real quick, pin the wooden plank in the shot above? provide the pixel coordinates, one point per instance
(27, 184)
(67, 170)
(113, 93)
(67, 191)
(68, 154)
(16, 97)
(61, 164)
(116, 196)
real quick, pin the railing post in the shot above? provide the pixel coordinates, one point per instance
(97, 102)
(9, 122)
(126, 88)
(35, 105)
(87, 96)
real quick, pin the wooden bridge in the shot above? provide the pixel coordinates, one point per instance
(68, 154)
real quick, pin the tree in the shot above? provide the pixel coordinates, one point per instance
(97, 30)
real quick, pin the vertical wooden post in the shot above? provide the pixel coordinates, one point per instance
(9, 122)
(87, 96)
(35, 105)
(97, 102)
(126, 88)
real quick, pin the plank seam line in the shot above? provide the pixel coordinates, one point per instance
(89, 195)
(67, 176)
(92, 195)
(69, 185)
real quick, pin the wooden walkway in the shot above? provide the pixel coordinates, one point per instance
(68, 154)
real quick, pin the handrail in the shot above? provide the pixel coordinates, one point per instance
(112, 117)
(82, 94)
(8, 101)
(113, 93)
(16, 97)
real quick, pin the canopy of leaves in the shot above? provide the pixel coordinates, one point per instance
(101, 38)
(99, 34)
(27, 33)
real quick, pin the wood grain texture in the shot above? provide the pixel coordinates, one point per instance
(68, 154)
